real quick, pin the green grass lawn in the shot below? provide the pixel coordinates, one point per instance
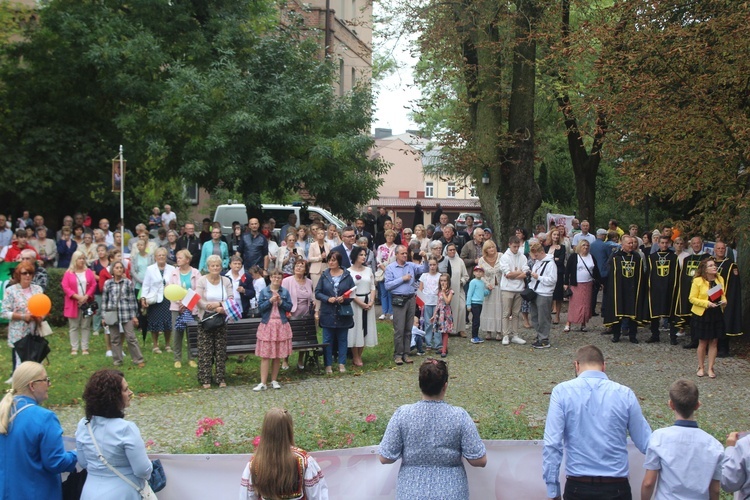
(70, 373)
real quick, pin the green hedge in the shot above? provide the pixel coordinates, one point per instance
(56, 295)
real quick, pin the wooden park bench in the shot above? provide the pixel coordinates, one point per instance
(242, 338)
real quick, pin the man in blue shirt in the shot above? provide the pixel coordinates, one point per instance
(601, 252)
(590, 417)
(400, 281)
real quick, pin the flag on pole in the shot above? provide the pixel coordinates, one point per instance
(349, 292)
(191, 299)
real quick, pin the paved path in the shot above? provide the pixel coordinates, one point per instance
(485, 379)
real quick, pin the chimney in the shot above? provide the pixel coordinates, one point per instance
(381, 133)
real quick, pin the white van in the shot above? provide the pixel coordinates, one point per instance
(226, 214)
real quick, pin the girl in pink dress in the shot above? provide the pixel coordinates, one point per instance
(274, 340)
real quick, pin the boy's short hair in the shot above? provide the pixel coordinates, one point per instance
(684, 396)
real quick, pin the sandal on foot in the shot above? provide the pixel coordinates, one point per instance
(566, 329)
(206, 386)
(700, 372)
(711, 374)
(222, 385)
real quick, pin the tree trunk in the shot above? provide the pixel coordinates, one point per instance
(585, 165)
(519, 194)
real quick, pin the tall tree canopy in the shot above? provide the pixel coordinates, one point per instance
(212, 91)
(675, 78)
(481, 74)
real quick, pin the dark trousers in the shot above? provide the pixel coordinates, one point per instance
(655, 328)
(575, 490)
(476, 313)
(617, 329)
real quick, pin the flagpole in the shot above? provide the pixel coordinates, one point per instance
(122, 206)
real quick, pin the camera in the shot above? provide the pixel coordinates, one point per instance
(89, 309)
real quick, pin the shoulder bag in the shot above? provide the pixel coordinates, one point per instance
(211, 323)
(146, 492)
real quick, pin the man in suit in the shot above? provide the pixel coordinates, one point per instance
(348, 238)
(360, 231)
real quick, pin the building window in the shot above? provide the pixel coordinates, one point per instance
(354, 77)
(429, 190)
(341, 77)
(473, 192)
(451, 190)
(191, 193)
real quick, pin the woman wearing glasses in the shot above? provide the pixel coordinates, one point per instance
(15, 306)
(31, 438)
(432, 438)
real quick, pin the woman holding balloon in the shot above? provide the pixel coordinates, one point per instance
(24, 306)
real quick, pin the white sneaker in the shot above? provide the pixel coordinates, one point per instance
(260, 387)
(109, 354)
(275, 384)
(506, 340)
(106, 330)
(95, 333)
(381, 317)
(517, 340)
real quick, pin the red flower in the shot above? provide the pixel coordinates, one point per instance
(256, 441)
(371, 418)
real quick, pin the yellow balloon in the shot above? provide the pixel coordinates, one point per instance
(174, 292)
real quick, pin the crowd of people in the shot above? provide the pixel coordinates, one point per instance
(339, 275)
(433, 282)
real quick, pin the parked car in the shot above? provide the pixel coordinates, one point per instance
(225, 214)
(461, 220)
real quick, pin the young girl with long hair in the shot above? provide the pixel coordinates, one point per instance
(278, 469)
(442, 320)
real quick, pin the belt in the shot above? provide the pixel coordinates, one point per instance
(404, 296)
(597, 479)
(363, 295)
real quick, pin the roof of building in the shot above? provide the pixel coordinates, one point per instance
(427, 203)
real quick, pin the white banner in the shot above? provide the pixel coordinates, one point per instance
(513, 471)
(554, 220)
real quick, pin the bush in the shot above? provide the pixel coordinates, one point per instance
(57, 296)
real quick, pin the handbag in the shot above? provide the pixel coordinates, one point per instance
(214, 321)
(44, 329)
(32, 348)
(146, 492)
(72, 487)
(110, 318)
(568, 293)
(345, 310)
(379, 275)
(158, 479)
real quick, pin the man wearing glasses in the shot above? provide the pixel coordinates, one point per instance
(348, 237)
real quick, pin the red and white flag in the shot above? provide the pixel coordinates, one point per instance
(191, 299)
(714, 294)
(349, 292)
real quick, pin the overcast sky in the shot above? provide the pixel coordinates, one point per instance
(395, 92)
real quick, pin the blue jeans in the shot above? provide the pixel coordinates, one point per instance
(340, 337)
(431, 338)
(385, 298)
(418, 343)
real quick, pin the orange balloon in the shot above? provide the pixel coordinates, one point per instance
(39, 305)
(675, 233)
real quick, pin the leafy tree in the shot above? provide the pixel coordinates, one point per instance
(482, 56)
(213, 91)
(674, 77)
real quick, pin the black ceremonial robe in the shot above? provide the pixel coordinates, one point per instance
(625, 283)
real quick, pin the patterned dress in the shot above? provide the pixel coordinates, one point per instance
(431, 438)
(15, 301)
(444, 316)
